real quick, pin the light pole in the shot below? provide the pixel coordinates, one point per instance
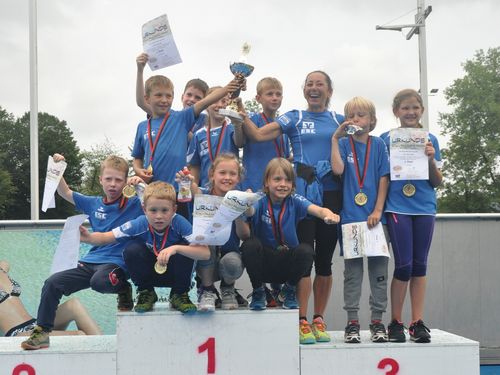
(418, 28)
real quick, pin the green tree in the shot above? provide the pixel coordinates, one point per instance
(472, 159)
(54, 136)
(253, 106)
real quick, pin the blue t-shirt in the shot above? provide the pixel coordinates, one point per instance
(178, 232)
(199, 123)
(424, 200)
(170, 152)
(198, 148)
(103, 217)
(256, 155)
(378, 166)
(295, 209)
(310, 134)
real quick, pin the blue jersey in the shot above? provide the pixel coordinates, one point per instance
(256, 155)
(294, 210)
(200, 122)
(103, 217)
(198, 154)
(310, 134)
(424, 200)
(378, 166)
(170, 152)
(178, 231)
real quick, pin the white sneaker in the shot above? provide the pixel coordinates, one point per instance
(228, 296)
(207, 301)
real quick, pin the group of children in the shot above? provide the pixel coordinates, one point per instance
(292, 227)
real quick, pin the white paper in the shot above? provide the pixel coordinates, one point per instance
(68, 249)
(407, 154)
(158, 42)
(54, 174)
(358, 241)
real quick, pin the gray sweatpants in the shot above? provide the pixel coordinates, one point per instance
(353, 279)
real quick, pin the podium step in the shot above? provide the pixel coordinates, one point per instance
(446, 354)
(75, 355)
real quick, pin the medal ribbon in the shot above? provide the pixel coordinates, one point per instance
(163, 241)
(361, 180)
(152, 146)
(280, 147)
(219, 141)
(122, 204)
(277, 229)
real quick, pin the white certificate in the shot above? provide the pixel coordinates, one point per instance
(54, 174)
(407, 154)
(158, 42)
(358, 241)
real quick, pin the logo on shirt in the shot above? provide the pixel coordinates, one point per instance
(153, 133)
(100, 214)
(284, 119)
(350, 158)
(266, 218)
(308, 127)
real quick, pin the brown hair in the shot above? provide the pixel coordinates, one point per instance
(160, 190)
(403, 95)
(156, 81)
(225, 156)
(329, 83)
(273, 166)
(197, 83)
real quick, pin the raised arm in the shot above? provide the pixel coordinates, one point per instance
(217, 95)
(336, 160)
(141, 61)
(63, 189)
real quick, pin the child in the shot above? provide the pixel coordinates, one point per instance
(225, 261)
(162, 242)
(103, 268)
(195, 90)
(410, 211)
(274, 253)
(363, 163)
(256, 155)
(217, 137)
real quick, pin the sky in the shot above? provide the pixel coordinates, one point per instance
(87, 51)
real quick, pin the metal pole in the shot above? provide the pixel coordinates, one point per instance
(35, 204)
(422, 53)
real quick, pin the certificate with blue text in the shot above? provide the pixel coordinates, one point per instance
(407, 154)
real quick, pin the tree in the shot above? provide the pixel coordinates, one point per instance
(54, 136)
(472, 159)
(253, 106)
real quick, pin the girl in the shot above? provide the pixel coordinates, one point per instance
(310, 134)
(225, 262)
(411, 210)
(275, 254)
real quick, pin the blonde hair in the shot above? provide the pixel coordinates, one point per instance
(403, 95)
(157, 81)
(225, 156)
(362, 104)
(273, 166)
(115, 162)
(268, 83)
(160, 190)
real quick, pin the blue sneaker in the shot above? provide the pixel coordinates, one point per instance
(258, 299)
(289, 294)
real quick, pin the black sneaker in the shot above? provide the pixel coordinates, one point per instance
(419, 332)
(396, 331)
(351, 335)
(378, 332)
(125, 301)
(145, 301)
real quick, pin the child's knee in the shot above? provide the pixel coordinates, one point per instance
(230, 267)
(403, 273)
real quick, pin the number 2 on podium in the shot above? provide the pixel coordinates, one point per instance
(209, 346)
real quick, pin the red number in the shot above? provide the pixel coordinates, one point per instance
(389, 362)
(23, 367)
(209, 346)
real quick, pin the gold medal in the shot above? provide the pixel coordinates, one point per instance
(128, 191)
(160, 269)
(150, 168)
(409, 190)
(361, 198)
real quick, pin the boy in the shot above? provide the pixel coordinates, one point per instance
(162, 241)
(103, 268)
(363, 162)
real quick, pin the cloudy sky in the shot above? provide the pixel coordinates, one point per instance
(87, 50)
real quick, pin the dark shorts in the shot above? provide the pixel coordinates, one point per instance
(23, 327)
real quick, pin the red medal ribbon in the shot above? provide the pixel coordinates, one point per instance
(122, 204)
(219, 141)
(361, 181)
(280, 147)
(163, 241)
(152, 146)
(277, 229)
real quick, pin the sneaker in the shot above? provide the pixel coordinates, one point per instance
(378, 332)
(290, 297)
(39, 339)
(124, 298)
(229, 301)
(305, 333)
(258, 299)
(242, 302)
(145, 301)
(182, 303)
(396, 331)
(351, 335)
(319, 330)
(206, 302)
(419, 332)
